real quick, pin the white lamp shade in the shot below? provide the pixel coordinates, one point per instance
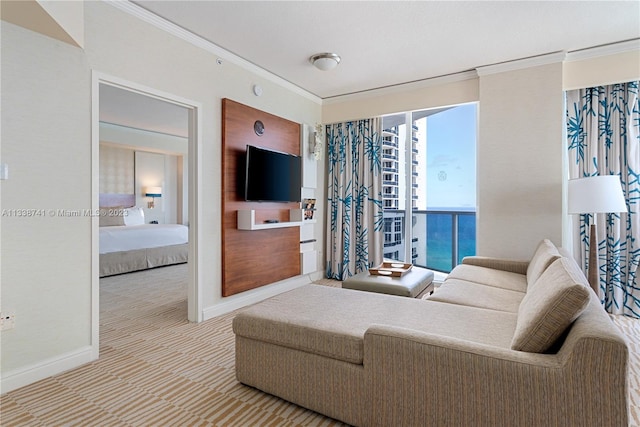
(596, 194)
(153, 192)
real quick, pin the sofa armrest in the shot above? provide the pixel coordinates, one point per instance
(417, 378)
(514, 266)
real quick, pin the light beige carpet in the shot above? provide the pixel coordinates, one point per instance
(157, 369)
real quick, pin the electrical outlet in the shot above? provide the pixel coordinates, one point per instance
(7, 321)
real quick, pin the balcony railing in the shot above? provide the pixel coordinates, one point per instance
(441, 238)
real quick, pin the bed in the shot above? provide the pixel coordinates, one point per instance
(128, 244)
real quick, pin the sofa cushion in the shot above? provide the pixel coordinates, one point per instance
(550, 306)
(489, 277)
(331, 322)
(455, 291)
(544, 255)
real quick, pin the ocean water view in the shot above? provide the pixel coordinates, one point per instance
(440, 249)
(440, 237)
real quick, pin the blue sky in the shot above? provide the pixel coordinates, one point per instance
(451, 158)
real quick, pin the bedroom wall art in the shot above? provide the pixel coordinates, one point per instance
(125, 171)
(116, 169)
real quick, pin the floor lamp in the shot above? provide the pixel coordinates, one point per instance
(594, 195)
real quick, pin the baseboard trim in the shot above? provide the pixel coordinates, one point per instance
(21, 377)
(229, 304)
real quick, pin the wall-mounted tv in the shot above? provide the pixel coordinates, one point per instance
(272, 176)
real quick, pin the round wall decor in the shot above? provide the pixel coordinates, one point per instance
(258, 127)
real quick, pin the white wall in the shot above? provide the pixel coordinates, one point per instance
(520, 168)
(46, 259)
(46, 141)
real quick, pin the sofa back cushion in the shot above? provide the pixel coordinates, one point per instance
(557, 298)
(544, 255)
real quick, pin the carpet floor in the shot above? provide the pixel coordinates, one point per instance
(157, 369)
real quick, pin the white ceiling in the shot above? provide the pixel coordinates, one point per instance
(382, 43)
(131, 109)
(385, 43)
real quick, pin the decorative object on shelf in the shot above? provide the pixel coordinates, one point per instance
(258, 128)
(593, 195)
(152, 192)
(317, 145)
(391, 268)
(325, 61)
(309, 206)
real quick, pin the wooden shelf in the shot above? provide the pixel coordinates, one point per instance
(247, 220)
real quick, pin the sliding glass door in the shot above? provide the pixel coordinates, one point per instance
(429, 186)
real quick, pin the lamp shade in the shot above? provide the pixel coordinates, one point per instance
(153, 192)
(596, 194)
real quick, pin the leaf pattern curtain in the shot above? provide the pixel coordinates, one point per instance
(355, 232)
(603, 129)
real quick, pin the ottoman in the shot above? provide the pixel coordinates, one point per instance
(414, 284)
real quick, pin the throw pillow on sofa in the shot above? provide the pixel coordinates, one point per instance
(557, 298)
(544, 255)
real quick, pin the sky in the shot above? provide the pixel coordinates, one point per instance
(451, 158)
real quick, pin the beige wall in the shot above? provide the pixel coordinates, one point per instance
(434, 93)
(520, 168)
(602, 70)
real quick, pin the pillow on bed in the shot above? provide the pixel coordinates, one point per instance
(133, 216)
(111, 216)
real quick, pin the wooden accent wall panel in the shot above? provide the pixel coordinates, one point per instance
(251, 259)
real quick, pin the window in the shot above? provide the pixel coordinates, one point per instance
(430, 197)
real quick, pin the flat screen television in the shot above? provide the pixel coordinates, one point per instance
(272, 176)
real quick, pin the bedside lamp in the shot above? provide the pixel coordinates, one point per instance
(593, 195)
(152, 192)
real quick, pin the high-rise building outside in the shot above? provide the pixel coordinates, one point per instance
(393, 186)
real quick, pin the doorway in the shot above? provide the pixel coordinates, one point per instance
(121, 109)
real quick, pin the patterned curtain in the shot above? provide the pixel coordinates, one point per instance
(603, 129)
(355, 235)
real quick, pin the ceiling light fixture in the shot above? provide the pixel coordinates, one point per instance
(325, 61)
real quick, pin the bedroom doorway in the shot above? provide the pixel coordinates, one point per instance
(145, 149)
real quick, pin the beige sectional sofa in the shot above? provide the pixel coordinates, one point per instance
(500, 343)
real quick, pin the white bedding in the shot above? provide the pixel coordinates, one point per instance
(127, 238)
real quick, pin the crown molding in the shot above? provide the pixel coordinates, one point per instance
(609, 49)
(173, 29)
(519, 64)
(402, 87)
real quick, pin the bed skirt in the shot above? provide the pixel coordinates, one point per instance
(142, 259)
